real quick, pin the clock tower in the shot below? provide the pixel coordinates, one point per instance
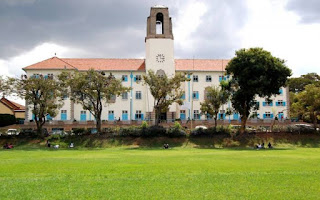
(159, 41)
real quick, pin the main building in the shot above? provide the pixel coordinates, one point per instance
(138, 103)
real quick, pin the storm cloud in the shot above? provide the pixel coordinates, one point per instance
(116, 29)
(308, 10)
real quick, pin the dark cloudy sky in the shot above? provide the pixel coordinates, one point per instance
(33, 30)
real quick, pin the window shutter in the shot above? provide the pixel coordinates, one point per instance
(284, 103)
(264, 116)
(142, 117)
(271, 116)
(197, 95)
(264, 103)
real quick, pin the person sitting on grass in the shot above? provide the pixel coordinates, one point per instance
(48, 144)
(270, 146)
(258, 146)
(262, 146)
(10, 146)
(71, 145)
(6, 146)
(166, 146)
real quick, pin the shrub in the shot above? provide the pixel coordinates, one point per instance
(7, 119)
(220, 130)
(154, 131)
(79, 131)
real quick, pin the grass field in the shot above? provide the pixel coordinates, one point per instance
(179, 173)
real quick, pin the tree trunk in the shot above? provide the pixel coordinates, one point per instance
(98, 124)
(157, 116)
(215, 121)
(243, 124)
(314, 121)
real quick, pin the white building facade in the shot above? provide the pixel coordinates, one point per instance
(138, 103)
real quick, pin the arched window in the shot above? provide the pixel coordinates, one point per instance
(159, 24)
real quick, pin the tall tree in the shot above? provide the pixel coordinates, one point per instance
(43, 94)
(214, 99)
(6, 85)
(92, 89)
(255, 72)
(297, 84)
(164, 90)
(307, 104)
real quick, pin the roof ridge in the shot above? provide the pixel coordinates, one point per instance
(9, 103)
(67, 63)
(109, 58)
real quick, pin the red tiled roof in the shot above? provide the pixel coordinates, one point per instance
(51, 63)
(12, 105)
(104, 64)
(201, 64)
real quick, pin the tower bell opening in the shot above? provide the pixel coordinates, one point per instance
(159, 24)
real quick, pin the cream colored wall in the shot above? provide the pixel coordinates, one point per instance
(160, 46)
(5, 110)
(20, 115)
(202, 84)
(146, 103)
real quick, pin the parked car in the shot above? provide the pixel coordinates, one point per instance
(12, 132)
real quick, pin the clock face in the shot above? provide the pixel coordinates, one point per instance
(160, 58)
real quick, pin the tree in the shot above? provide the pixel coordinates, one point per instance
(43, 94)
(91, 89)
(297, 84)
(214, 99)
(255, 72)
(164, 90)
(6, 85)
(307, 104)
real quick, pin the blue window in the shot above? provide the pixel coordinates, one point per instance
(235, 116)
(48, 117)
(267, 103)
(111, 115)
(280, 103)
(33, 117)
(124, 78)
(63, 115)
(221, 116)
(124, 115)
(281, 91)
(182, 114)
(267, 115)
(196, 114)
(183, 96)
(195, 78)
(195, 95)
(124, 95)
(138, 115)
(137, 78)
(83, 115)
(220, 78)
(281, 115)
(138, 95)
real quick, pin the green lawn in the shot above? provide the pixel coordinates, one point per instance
(179, 173)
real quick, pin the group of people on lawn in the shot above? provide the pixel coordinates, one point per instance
(8, 146)
(261, 146)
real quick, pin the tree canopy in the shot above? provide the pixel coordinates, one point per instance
(43, 94)
(307, 104)
(164, 90)
(297, 84)
(215, 97)
(92, 89)
(255, 72)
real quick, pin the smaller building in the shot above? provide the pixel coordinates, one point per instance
(12, 108)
